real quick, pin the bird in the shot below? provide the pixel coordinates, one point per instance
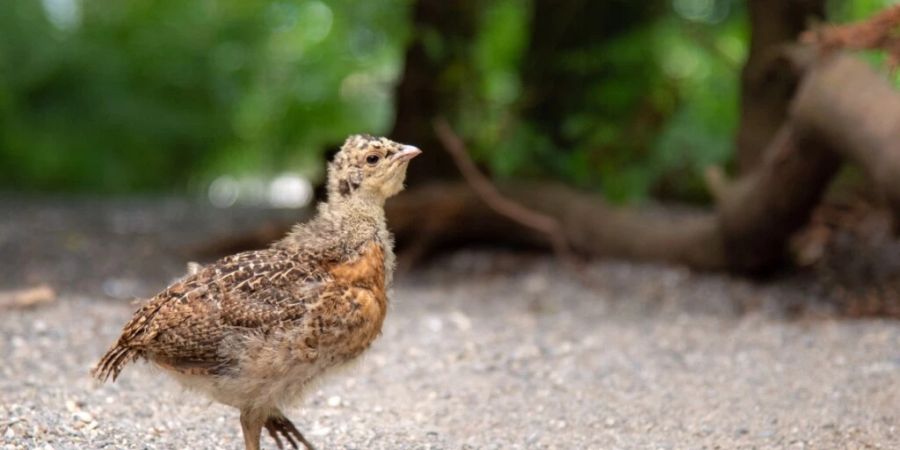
(252, 330)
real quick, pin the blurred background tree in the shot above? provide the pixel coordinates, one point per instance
(632, 99)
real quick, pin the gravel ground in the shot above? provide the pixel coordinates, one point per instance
(480, 350)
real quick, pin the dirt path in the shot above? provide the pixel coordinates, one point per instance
(479, 351)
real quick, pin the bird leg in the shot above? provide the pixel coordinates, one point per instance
(277, 425)
(251, 425)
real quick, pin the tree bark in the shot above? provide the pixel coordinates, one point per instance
(767, 85)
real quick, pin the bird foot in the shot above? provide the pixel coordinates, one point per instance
(280, 426)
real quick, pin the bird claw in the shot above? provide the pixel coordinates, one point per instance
(280, 426)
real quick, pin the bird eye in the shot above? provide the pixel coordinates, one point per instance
(372, 159)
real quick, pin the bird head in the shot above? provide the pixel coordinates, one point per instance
(368, 167)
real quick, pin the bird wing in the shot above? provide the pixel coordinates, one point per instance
(185, 325)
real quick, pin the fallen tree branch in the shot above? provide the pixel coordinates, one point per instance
(592, 226)
(858, 111)
(27, 298)
(492, 197)
(748, 232)
(762, 209)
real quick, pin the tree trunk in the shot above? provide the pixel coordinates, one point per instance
(442, 33)
(767, 85)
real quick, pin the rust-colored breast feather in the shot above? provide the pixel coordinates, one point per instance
(359, 302)
(335, 307)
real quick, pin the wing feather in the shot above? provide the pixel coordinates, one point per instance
(185, 326)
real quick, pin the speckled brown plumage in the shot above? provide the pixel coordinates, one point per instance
(253, 329)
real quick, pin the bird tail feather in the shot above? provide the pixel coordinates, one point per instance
(113, 362)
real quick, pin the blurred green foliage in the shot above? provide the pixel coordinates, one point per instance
(139, 95)
(851, 10)
(161, 95)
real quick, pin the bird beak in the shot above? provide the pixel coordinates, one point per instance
(407, 153)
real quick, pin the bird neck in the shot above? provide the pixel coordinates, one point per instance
(342, 223)
(355, 208)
